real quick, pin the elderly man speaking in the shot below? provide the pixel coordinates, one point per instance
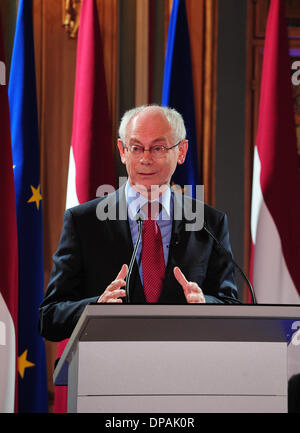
(174, 264)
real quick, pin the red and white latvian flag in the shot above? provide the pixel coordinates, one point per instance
(91, 161)
(8, 254)
(275, 215)
(275, 218)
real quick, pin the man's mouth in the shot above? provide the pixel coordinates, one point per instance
(146, 174)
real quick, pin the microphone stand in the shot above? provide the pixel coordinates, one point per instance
(139, 220)
(253, 299)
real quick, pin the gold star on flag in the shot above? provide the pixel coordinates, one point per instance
(23, 363)
(36, 196)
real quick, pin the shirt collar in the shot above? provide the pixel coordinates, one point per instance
(135, 201)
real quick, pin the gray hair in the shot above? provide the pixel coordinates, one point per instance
(174, 118)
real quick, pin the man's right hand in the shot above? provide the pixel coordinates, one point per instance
(113, 292)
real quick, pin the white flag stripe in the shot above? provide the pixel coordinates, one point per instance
(257, 197)
(7, 360)
(72, 199)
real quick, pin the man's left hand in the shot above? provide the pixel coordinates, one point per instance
(192, 291)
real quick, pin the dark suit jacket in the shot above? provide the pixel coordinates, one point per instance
(91, 253)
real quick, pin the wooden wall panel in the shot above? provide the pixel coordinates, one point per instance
(202, 18)
(108, 19)
(195, 15)
(8, 9)
(142, 53)
(209, 100)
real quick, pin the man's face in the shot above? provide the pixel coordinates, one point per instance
(147, 129)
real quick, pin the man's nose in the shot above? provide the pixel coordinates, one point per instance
(147, 156)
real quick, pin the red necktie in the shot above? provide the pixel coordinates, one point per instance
(152, 259)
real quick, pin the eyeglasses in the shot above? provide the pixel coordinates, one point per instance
(157, 151)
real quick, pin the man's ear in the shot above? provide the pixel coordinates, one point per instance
(121, 150)
(183, 148)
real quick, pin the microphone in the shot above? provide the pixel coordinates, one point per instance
(139, 219)
(229, 256)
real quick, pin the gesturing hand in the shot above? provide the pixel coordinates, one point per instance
(113, 292)
(192, 291)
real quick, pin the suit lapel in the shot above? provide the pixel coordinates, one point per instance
(178, 236)
(172, 291)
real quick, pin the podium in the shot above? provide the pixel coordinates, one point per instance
(178, 359)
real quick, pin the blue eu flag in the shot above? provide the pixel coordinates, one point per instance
(178, 90)
(32, 384)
